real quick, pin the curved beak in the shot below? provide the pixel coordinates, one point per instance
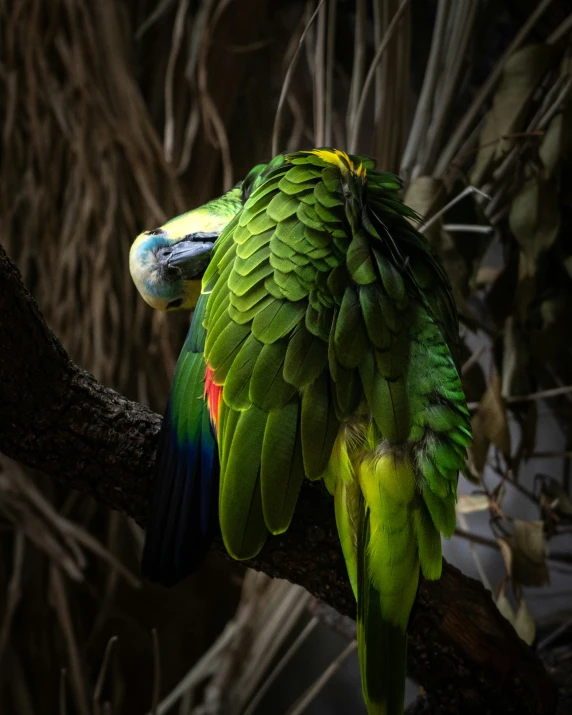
(191, 255)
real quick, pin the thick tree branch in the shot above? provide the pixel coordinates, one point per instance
(58, 418)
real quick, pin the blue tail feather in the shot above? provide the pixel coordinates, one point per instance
(183, 511)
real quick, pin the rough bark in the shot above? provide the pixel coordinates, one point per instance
(58, 418)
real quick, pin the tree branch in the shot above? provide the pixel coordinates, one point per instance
(58, 418)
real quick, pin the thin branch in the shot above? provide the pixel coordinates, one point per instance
(178, 32)
(102, 673)
(159, 10)
(315, 688)
(560, 31)
(422, 117)
(14, 590)
(250, 47)
(320, 78)
(476, 539)
(357, 65)
(62, 700)
(212, 114)
(357, 119)
(61, 606)
(474, 553)
(462, 21)
(474, 358)
(467, 228)
(282, 663)
(468, 191)
(156, 672)
(465, 124)
(286, 83)
(202, 669)
(556, 633)
(533, 396)
(330, 57)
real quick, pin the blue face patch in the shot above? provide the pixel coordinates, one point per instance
(152, 244)
(167, 268)
(157, 282)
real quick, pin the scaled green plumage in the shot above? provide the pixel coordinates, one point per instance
(332, 332)
(336, 361)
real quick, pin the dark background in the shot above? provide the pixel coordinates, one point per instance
(116, 116)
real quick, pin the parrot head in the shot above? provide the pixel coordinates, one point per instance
(167, 263)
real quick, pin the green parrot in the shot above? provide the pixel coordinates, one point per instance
(324, 345)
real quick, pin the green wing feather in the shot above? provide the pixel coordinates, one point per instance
(333, 333)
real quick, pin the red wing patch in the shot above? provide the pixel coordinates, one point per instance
(213, 396)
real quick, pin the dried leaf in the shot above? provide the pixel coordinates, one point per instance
(558, 137)
(425, 196)
(527, 418)
(526, 289)
(551, 148)
(506, 552)
(534, 219)
(487, 275)
(479, 450)
(503, 604)
(524, 623)
(524, 553)
(551, 325)
(500, 298)
(467, 504)
(515, 361)
(498, 494)
(468, 248)
(529, 537)
(489, 425)
(521, 75)
(554, 497)
(472, 376)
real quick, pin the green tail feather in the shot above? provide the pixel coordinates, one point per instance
(382, 653)
(386, 591)
(387, 538)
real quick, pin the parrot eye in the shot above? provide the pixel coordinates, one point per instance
(175, 303)
(164, 252)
